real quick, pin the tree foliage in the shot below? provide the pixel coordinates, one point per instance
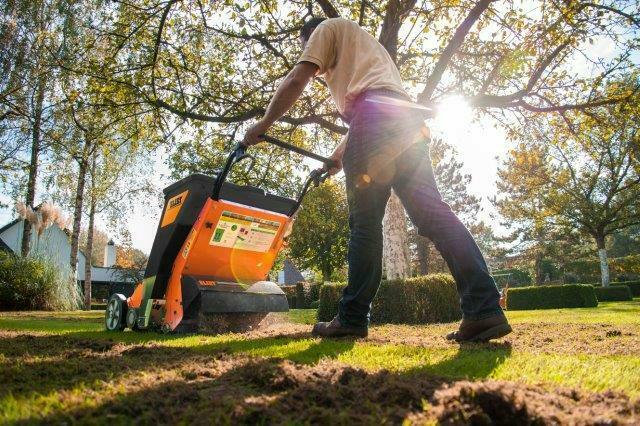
(321, 231)
(580, 172)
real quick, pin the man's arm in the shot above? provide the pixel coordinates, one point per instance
(286, 95)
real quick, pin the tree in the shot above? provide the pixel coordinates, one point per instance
(453, 185)
(31, 36)
(218, 63)
(130, 262)
(100, 240)
(580, 173)
(321, 231)
(626, 242)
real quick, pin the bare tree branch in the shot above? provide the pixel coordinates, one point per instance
(329, 9)
(451, 48)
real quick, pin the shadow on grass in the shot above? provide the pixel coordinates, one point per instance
(273, 391)
(41, 364)
(276, 389)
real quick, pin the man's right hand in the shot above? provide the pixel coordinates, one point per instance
(335, 166)
(336, 158)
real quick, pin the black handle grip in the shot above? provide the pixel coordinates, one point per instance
(238, 154)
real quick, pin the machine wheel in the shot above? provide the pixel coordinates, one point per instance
(114, 316)
(132, 319)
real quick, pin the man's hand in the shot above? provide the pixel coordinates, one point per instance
(336, 166)
(251, 136)
(336, 157)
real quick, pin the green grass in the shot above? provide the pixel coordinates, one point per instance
(606, 312)
(593, 349)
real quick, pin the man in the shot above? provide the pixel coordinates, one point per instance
(386, 147)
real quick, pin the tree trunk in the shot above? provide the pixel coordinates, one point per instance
(396, 257)
(326, 273)
(538, 268)
(604, 264)
(87, 265)
(77, 210)
(33, 164)
(89, 248)
(423, 249)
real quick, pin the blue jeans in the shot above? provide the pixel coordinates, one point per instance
(386, 149)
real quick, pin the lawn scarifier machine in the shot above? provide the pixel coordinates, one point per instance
(215, 245)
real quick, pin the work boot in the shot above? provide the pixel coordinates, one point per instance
(333, 328)
(481, 330)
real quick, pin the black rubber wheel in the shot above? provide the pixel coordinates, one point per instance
(132, 319)
(116, 313)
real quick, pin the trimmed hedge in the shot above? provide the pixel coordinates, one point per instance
(552, 297)
(330, 294)
(290, 292)
(315, 304)
(634, 286)
(306, 293)
(615, 293)
(420, 300)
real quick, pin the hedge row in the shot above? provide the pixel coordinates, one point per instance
(290, 292)
(306, 294)
(420, 300)
(613, 294)
(302, 294)
(551, 297)
(634, 286)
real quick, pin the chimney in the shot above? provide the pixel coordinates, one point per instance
(110, 254)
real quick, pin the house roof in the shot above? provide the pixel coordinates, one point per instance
(4, 246)
(291, 274)
(9, 225)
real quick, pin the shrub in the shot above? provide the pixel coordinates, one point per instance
(315, 304)
(613, 294)
(634, 286)
(588, 270)
(290, 292)
(314, 292)
(420, 300)
(514, 277)
(552, 296)
(35, 283)
(570, 278)
(300, 296)
(330, 294)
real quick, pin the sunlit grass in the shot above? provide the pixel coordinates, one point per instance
(590, 371)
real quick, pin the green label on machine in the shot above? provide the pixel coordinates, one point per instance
(244, 232)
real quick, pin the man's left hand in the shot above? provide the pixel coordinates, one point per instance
(251, 137)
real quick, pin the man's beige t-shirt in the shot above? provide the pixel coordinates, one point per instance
(351, 60)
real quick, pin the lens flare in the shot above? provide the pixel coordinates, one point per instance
(453, 116)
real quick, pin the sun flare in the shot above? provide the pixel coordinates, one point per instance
(453, 117)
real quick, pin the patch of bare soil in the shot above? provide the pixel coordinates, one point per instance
(236, 322)
(551, 338)
(155, 384)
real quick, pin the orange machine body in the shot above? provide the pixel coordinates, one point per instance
(231, 260)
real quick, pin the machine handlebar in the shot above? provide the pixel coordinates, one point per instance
(316, 177)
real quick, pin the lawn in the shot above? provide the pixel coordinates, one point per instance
(563, 364)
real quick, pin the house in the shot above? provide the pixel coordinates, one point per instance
(54, 244)
(289, 274)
